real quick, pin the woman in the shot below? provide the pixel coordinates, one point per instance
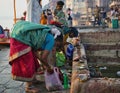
(26, 39)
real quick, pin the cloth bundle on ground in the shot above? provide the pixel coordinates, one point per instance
(24, 37)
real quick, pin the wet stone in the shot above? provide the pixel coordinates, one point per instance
(3, 63)
(4, 79)
(2, 88)
(5, 55)
(63, 91)
(2, 68)
(14, 84)
(6, 70)
(14, 90)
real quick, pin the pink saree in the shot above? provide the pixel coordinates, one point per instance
(24, 63)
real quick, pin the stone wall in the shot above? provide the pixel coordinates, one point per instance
(102, 47)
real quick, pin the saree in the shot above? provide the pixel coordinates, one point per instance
(26, 37)
(24, 63)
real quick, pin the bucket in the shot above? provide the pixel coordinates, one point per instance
(115, 23)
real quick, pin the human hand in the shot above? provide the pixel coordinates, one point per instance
(50, 70)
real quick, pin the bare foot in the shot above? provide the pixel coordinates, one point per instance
(32, 89)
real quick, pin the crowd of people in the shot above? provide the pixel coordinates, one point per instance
(102, 17)
(34, 37)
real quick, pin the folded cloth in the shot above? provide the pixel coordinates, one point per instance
(55, 32)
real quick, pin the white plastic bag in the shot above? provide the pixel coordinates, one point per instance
(52, 81)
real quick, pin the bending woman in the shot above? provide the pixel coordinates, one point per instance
(26, 39)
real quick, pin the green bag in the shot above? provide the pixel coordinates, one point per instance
(60, 59)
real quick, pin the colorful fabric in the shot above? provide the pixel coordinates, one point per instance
(29, 33)
(43, 20)
(60, 17)
(50, 18)
(69, 52)
(1, 30)
(60, 59)
(49, 43)
(24, 63)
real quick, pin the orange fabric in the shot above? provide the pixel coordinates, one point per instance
(43, 20)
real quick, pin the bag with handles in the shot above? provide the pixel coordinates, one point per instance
(52, 81)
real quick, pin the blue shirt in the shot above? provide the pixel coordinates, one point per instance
(1, 30)
(49, 43)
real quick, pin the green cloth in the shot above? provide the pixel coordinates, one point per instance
(29, 33)
(60, 15)
(60, 59)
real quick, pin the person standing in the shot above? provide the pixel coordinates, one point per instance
(69, 17)
(43, 19)
(49, 16)
(59, 14)
(34, 11)
(93, 20)
(97, 15)
(60, 17)
(103, 16)
(69, 20)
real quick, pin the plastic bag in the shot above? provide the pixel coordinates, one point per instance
(52, 81)
(60, 59)
(69, 52)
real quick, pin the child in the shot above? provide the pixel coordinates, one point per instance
(69, 20)
(71, 43)
(49, 16)
(59, 14)
(43, 20)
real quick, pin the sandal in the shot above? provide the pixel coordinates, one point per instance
(31, 89)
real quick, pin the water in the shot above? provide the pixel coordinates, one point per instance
(7, 21)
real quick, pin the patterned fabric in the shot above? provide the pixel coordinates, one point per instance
(60, 17)
(29, 33)
(24, 63)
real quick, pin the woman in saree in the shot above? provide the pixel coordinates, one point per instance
(26, 39)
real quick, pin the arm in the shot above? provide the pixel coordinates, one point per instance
(43, 58)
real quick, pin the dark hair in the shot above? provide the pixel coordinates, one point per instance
(60, 3)
(73, 31)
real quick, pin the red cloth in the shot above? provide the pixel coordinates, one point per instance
(24, 63)
(52, 22)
